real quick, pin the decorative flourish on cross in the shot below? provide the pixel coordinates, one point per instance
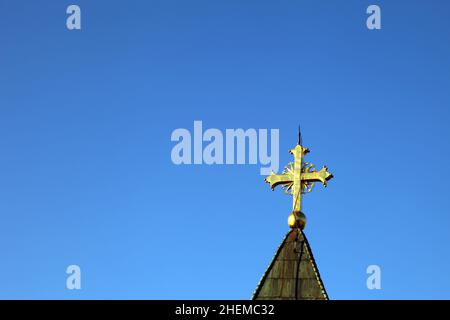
(297, 178)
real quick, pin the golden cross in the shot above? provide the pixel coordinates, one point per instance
(298, 178)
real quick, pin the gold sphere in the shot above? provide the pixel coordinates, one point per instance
(291, 220)
(297, 220)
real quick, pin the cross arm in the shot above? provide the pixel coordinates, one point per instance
(276, 179)
(320, 176)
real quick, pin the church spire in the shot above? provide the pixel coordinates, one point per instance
(293, 273)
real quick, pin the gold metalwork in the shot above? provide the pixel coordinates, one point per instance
(297, 178)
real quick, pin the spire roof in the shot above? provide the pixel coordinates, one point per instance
(293, 273)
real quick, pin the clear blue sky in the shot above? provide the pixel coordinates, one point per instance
(86, 116)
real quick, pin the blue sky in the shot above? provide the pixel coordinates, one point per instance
(86, 117)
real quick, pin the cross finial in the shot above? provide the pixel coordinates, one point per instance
(299, 136)
(298, 178)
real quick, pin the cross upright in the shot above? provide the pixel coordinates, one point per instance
(298, 178)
